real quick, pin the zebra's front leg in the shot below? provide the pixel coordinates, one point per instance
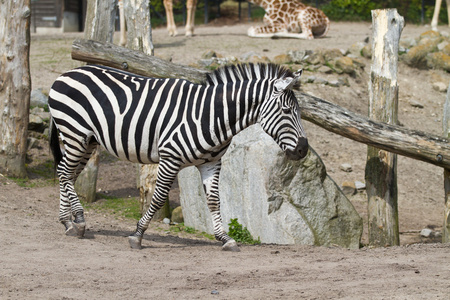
(167, 172)
(210, 178)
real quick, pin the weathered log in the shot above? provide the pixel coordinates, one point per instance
(446, 133)
(381, 166)
(411, 143)
(15, 85)
(136, 62)
(99, 26)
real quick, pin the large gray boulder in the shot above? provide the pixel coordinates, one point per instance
(278, 200)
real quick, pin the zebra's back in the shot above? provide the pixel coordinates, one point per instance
(129, 115)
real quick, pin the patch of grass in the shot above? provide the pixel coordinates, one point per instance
(39, 175)
(241, 234)
(121, 207)
(177, 228)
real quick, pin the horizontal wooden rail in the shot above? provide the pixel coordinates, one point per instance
(411, 143)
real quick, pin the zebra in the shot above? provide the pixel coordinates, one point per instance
(173, 122)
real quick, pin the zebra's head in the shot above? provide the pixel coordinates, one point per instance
(280, 117)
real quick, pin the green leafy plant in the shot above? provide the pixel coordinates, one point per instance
(240, 233)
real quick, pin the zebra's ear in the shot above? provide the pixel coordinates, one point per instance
(289, 82)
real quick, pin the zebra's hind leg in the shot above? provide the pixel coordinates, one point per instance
(167, 172)
(71, 213)
(210, 177)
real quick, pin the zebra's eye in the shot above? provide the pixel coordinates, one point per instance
(286, 110)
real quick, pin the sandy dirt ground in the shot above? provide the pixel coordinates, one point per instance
(38, 261)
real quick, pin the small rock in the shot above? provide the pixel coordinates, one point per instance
(440, 87)
(325, 69)
(356, 48)
(166, 221)
(32, 143)
(360, 185)
(297, 56)
(349, 188)
(321, 81)
(334, 83)
(331, 54)
(246, 56)
(214, 292)
(346, 168)
(416, 104)
(36, 123)
(177, 215)
(315, 58)
(282, 59)
(38, 99)
(367, 51)
(426, 232)
(209, 54)
(441, 46)
(206, 62)
(346, 65)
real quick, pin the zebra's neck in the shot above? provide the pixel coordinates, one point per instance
(235, 106)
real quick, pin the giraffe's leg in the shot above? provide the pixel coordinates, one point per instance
(191, 6)
(210, 179)
(448, 12)
(285, 34)
(171, 27)
(437, 8)
(71, 213)
(167, 172)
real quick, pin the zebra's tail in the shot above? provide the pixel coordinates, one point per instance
(54, 143)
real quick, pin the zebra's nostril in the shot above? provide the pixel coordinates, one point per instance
(302, 147)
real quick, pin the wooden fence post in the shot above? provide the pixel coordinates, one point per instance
(446, 133)
(15, 85)
(100, 18)
(139, 38)
(381, 167)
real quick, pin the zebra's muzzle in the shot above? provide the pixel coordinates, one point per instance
(300, 151)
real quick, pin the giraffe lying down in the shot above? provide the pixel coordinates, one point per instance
(291, 19)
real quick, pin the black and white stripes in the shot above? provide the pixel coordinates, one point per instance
(171, 121)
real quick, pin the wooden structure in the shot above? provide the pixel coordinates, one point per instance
(15, 85)
(58, 15)
(101, 14)
(446, 134)
(381, 166)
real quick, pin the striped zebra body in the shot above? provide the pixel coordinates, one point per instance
(173, 122)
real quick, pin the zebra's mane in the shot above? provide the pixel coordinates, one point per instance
(243, 72)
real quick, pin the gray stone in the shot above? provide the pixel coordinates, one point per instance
(440, 87)
(321, 81)
(278, 200)
(346, 168)
(38, 99)
(356, 48)
(36, 123)
(325, 69)
(297, 56)
(360, 185)
(166, 221)
(415, 103)
(177, 215)
(426, 232)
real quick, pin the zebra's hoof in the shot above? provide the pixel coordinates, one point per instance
(135, 241)
(231, 245)
(75, 229)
